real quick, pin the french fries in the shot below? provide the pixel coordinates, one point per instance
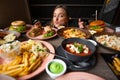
(117, 60)
(15, 66)
(25, 57)
(23, 64)
(13, 72)
(116, 63)
(1, 67)
(34, 64)
(24, 72)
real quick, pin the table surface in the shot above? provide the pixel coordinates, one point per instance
(101, 68)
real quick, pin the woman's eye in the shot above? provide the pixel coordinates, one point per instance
(54, 15)
(61, 16)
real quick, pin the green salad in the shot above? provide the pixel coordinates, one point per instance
(48, 34)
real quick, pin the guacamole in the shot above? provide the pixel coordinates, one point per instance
(56, 67)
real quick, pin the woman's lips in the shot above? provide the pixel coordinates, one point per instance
(56, 22)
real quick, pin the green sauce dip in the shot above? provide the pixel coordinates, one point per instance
(56, 67)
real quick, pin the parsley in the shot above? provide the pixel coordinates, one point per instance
(38, 49)
(79, 46)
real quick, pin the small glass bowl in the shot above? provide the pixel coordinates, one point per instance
(10, 50)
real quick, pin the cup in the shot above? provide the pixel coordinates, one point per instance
(9, 51)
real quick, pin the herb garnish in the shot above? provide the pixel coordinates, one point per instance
(78, 46)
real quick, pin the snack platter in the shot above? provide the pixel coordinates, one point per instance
(26, 63)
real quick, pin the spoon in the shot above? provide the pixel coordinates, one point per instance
(80, 65)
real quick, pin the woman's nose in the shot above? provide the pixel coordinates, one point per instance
(56, 18)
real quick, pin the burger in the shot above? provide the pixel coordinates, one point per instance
(97, 25)
(19, 26)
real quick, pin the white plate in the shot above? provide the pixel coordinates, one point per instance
(17, 34)
(5, 77)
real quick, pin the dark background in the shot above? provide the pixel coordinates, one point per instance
(11, 10)
(85, 9)
(30, 10)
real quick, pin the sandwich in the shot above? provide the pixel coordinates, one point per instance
(19, 26)
(97, 25)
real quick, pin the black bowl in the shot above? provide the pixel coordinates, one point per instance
(78, 58)
(115, 34)
(86, 32)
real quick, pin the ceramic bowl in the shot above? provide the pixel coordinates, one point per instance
(78, 58)
(56, 68)
(92, 41)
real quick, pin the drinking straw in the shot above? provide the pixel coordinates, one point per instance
(96, 15)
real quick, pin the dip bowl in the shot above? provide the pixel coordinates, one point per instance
(83, 55)
(56, 68)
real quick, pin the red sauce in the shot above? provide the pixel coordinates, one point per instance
(79, 54)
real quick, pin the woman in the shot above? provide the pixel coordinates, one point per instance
(61, 17)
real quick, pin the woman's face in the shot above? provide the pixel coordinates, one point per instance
(59, 17)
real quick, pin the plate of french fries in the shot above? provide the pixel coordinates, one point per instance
(31, 61)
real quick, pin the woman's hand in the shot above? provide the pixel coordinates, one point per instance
(80, 23)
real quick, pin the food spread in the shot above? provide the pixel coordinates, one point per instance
(33, 53)
(29, 59)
